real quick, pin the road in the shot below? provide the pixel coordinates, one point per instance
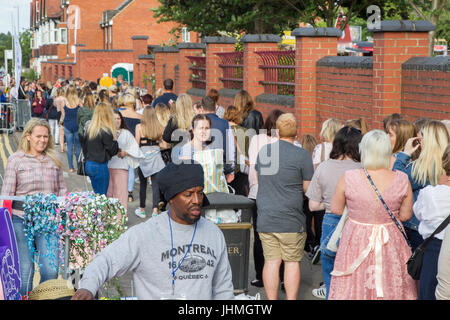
(311, 275)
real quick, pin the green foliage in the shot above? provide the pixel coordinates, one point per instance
(6, 44)
(210, 17)
(30, 75)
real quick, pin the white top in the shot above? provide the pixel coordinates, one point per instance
(443, 275)
(256, 144)
(318, 151)
(128, 144)
(431, 208)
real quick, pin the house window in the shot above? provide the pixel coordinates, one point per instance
(185, 34)
(56, 36)
(63, 35)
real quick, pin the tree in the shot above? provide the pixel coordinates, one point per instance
(210, 17)
(432, 12)
(25, 39)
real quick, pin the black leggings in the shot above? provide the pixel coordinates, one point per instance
(156, 193)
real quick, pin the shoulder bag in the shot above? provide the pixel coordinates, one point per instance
(387, 208)
(414, 264)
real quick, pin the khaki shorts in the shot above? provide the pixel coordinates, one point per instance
(285, 246)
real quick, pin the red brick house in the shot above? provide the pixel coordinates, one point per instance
(79, 38)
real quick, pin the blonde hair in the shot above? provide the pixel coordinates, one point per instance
(24, 144)
(447, 124)
(151, 128)
(72, 96)
(375, 150)
(129, 100)
(286, 125)
(89, 101)
(184, 112)
(163, 113)
(429, 164)
(102, 119)
(359, 124)
(329, 129)
(446, 161)
(60, 92)
(308, 143)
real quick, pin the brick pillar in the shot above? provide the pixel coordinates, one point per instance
(166, 58)
(187, 49)
(394, 43)
(213, 71)
(311, 45)
(252, 73)
(139, 48)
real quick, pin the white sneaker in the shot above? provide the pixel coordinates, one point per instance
(140, 213)
(320, 292)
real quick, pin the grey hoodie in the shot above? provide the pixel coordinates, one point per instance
(145, 250)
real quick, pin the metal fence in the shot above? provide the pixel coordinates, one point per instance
(7, 117)
(198, 68)
(23, 114)
(279, 72)
(14, 115)
(232, 65)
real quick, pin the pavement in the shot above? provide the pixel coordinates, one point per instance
(311, 275)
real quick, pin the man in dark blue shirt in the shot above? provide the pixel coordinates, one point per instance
(168, 96)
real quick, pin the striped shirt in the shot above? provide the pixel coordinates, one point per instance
(26, 174)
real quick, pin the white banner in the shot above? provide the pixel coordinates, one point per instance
(18, 64)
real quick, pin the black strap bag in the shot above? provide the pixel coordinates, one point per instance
(414, 264)
(81, 170)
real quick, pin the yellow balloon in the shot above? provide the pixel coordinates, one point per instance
(106, 82)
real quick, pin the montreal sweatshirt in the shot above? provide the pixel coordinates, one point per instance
(146, 251)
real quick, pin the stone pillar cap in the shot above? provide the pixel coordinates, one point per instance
(316, 32)
(215, 39)
(404, 26)
(261, 38)
(191, 45)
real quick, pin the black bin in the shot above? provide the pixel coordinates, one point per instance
(237, 235)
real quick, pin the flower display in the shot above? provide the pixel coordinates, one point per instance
(90, 222)
(42, 217)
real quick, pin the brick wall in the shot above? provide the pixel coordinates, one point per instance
(344, 89)
(138, 19)
(426, 88)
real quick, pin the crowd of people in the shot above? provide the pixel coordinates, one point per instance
(360, 201)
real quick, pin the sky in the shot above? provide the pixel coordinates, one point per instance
(7, 9)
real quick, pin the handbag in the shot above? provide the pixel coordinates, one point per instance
(414, 264)
(332, 244)
(387, 209)
(81, 170)
(243, 161)
(212, 163)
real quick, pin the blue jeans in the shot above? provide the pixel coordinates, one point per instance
(428, 281)
(99, 175)
(72, 139)
(329, 223)
(47, 271)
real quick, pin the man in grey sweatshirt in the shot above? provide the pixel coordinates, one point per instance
(176, 255)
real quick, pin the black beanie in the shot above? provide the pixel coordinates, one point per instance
(176, 178)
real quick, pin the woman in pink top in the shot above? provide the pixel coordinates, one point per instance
(266, 136)
(371, 259)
